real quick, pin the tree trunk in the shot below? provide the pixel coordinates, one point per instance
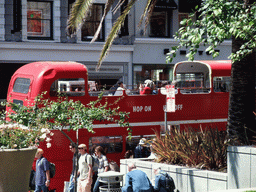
(241, 120)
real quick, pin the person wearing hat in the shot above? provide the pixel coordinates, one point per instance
(147, 88)
(141, 150)
(84, 170)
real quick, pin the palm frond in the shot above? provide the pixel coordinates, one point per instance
(150, 12)
(115, 29)
(120, 2)
(144, 13)
(77, 15)
(106, 10)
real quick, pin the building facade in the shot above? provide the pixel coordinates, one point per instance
(35, 30)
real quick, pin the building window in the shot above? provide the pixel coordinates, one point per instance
(160, 19)
(39, 20)
(182, 16)
(124, 31)
(16, 16)
(92, 22)
(160, 24)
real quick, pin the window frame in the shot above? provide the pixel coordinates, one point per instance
(222, 84)
(71, 87)
(168, 19)
(107, 143)
(51, 23)
(18, 84)
(99, 39)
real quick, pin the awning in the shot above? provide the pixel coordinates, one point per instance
(166, 4)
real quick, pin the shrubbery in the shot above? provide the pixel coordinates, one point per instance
(204, 149)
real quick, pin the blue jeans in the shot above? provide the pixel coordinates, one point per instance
(41, 188)
(71, 187)
(96, 185)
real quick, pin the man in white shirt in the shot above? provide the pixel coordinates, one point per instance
(84, 170)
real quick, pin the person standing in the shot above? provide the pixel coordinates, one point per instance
(136, 181)
(84, 170)
(103, 165)
(42, 180)
(72, 147)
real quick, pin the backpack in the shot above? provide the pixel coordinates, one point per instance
(95, 162)
(169, 183)
(52, 168)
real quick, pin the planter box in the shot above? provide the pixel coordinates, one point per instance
(241, 167)
(15, 168)
(241, 172)
(186, 179)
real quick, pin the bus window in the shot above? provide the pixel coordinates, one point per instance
(68, 87)
(21, 85)
(134, 141)
(221, 84)
(110, 144)
(193, 82)
(19, 102)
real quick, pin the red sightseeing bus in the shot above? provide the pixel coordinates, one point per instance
(201, 100)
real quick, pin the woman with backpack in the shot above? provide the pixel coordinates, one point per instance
(103, 165)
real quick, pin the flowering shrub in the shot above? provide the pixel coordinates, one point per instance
(16, 136)
(43, 115)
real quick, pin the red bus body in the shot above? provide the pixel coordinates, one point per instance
(197, 104)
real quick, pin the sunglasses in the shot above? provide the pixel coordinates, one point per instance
(80, 148)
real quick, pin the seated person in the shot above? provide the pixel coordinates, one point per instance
(119, 90)
(147, 88)
(163, 181)
(136, 181)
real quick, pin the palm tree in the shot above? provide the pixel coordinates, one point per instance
(218, 20)
(241, 120)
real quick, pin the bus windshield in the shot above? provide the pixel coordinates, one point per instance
(193, 82)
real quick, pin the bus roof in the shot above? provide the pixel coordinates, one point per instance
(216, 67)
(43, 73)
(46, 68)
